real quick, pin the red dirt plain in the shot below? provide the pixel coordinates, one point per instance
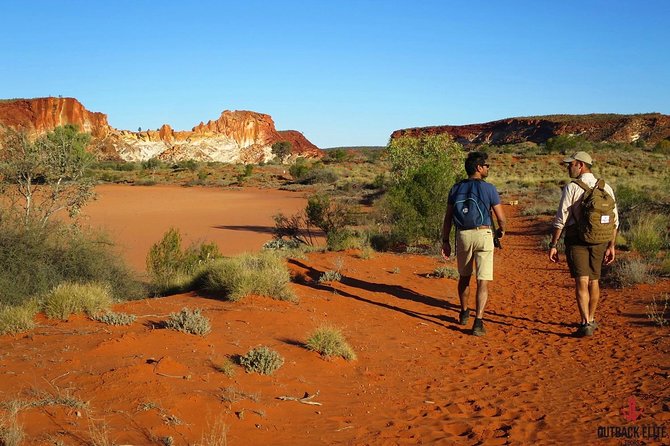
(420, 378)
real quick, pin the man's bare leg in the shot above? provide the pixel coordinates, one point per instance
(594, 297)
(482, 297)
(464, 291)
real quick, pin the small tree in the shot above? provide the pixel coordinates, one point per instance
(45, 176)
(422, 172)
(282, 149)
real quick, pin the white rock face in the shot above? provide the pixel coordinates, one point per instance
(141, 150)
(219, 148)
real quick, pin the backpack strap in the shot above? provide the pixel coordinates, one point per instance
(583, 185)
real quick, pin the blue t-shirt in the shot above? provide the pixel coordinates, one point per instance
(486, 193)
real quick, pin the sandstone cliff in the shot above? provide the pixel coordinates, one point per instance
(236, 136)
(651, 128)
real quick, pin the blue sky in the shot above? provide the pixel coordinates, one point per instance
(342, 72)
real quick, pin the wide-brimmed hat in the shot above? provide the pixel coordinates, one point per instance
(579, 156)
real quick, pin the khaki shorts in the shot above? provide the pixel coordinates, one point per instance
(475, 246)
(584, 259)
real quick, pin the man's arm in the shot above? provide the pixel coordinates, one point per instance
(500, 216)
(553, 252)
(446, 231)
(610, 253)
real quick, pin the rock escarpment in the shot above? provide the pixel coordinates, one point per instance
(236, 136)
(650, 127)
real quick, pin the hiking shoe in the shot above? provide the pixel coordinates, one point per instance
(594, 324)
(584, 330)
(478, 328)
(464, 317)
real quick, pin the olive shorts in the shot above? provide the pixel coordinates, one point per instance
(584, 259)
(475, 246)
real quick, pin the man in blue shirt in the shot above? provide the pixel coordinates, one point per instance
(469, 209)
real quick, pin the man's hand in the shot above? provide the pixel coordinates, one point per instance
(553, 255)
(609, 255)
(446, 249)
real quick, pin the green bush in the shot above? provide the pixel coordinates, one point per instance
(343, 239)
(188, 321)
(298, 169)
(282, 149)
(17, 319)
(422, 173)
(73, 298)
(329, 341)
(33, 260)
(326, 214)
(262, 360)
(648, 234)
(263, 274)
(172, 269)
(567, 144)
(663, 147)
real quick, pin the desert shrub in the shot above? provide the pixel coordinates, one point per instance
(111, 318)
(344, 239)
(329, 341)
(295, 227)
(227, 367)
(631, 201)
(188, 321)
(298, 169)
(282, 149)
(281, 244)
(71, 298)
(330, 276)
(152, 164)
(567, 144)
(627, 272)
(423, 170)
(336, 155)
(33, 260)
(263, 274)
(318, 175)
(445, 272)
(327, 214)
(663, 147)
(17, 319)
(648, 234)
(11, 432)
(47, 175)
(657, 310)
(171, 268)
(262, 360)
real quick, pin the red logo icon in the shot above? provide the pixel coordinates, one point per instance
(631, 413)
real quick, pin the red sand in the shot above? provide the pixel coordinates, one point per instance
(419, 378)
(237, 220)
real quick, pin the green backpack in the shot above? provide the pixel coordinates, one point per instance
(596, 224)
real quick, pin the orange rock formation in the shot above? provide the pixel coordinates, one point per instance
(236, 136)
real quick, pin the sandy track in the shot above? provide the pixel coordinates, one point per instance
(419, 379)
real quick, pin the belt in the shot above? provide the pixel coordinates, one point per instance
(476, 228)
